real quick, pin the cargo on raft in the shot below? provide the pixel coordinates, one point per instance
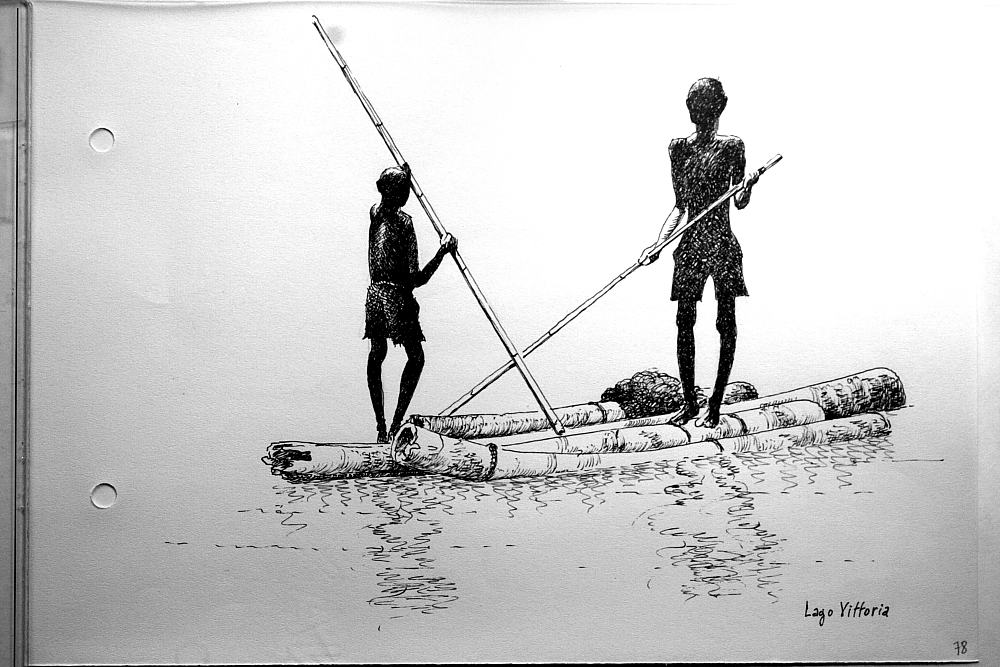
(600, 435)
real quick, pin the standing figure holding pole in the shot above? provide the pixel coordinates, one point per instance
(703, 167)
(515, 356)
(391, 312)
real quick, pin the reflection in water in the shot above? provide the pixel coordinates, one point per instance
(710, 528)
(405, 529)
(704, 515)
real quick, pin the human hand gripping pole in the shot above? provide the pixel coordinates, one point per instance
(515, 356)
(654, 251)
(651, 252)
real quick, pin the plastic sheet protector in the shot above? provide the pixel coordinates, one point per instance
(434, 332)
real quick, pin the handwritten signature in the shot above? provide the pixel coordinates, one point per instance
(857, 609)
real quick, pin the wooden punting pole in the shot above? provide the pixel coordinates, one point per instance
(515, 356)
(576, 312)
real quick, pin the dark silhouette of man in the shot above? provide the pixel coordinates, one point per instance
(391, 312)
(703, 167)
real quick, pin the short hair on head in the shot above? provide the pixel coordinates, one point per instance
(393, 181)
(706, 100)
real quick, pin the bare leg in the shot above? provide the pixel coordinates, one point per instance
(687, 315)
(408, 381)
(725, 323)
(375, 358)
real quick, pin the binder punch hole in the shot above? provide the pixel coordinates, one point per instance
(102, 140)
(103, 496)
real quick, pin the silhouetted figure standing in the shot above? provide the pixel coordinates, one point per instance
(391, 312)
(703, 167)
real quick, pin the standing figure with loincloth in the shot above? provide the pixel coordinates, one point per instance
(391, 312)
(703, 167)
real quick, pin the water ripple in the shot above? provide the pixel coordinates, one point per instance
(704, 516)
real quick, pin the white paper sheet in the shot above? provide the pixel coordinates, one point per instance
(198, 286)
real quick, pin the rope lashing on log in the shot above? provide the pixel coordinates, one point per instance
(430, 452)
(433, 453)
(576, 312)
(515, 356)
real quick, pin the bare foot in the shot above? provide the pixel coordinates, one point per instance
(689, 412)
(393, 430)
(711, 418)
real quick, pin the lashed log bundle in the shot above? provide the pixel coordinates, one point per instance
(304, 462)
(432, 452)
(873, 390)
(301, 462)
(856, 427)
(870, 391)
(418, 448)
(648, 433)
(516, 423)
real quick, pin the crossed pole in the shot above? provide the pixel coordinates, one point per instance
(516, 359)
(576, 312)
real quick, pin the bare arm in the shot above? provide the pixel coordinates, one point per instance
(648, 255)
(448, 245)
(679, 211)
(742, 197)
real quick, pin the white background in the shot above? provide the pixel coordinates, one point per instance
(215, 258)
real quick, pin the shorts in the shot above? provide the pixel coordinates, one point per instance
(692, 269)
(392, 312)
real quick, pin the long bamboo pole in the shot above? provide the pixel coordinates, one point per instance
(515, 356)
(576, 312)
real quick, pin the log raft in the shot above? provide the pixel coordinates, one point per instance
(874, 390)
(808, 415)
(649, 433)
(432, 452)
(477, 426)
(302, 462)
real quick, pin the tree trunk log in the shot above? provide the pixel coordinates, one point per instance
(434, 453)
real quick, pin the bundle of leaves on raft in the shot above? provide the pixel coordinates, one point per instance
(652, 392)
